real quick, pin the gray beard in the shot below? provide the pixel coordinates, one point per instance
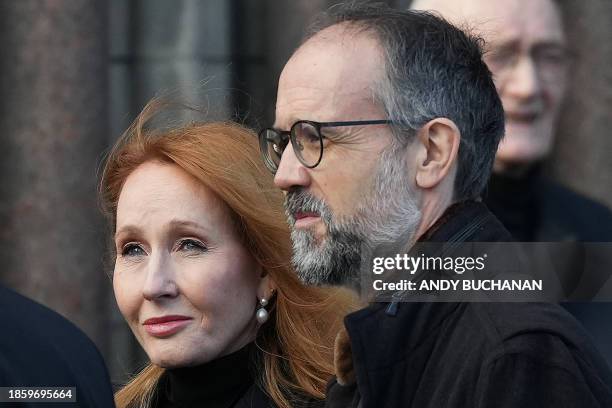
(387, 217)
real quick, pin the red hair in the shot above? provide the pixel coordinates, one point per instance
(297, 341)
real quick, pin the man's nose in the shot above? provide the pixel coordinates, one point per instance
(291, 172)
(160, 280)
(524, 81)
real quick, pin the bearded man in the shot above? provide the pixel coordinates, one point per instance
(386, 128)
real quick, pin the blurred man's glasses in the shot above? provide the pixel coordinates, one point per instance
(306, 140)
(549, 61)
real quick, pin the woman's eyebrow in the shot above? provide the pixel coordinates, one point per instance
(127, 230)
(186, 223)
(130, 229)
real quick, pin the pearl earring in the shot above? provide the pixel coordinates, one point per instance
(262, 314)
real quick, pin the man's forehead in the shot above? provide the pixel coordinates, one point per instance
(332, 71)
(336, 56)
(323, 105)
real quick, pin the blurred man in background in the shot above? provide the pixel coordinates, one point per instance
(527, 54)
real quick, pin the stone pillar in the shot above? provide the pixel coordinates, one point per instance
(268, 34)
(182, 47)
(583, 152)
(53, 129)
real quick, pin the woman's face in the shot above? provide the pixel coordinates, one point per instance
(184, 282)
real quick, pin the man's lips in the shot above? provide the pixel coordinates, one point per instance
(304, 219)
(522, 117)
(304, 214)
(166, 325)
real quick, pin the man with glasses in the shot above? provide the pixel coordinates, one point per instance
(528, 57)
(386, 128)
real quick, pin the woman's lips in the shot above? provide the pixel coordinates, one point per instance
(166, 325)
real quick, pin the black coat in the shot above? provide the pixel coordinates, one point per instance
(533, 208)
(471, 354)
(38, 347)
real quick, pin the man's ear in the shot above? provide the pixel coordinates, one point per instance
(438, 148)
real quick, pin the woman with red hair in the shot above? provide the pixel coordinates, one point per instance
(203, 274)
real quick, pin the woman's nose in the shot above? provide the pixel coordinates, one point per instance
(159, 281)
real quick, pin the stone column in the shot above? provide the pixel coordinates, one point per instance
(583, 153)
(53, 129)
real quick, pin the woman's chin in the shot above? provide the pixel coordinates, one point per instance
(171, 359)
(170, 363)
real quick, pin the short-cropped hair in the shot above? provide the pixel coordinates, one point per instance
(432, 69)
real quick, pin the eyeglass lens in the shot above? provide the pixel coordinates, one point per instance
(273, 146)
(307, 143)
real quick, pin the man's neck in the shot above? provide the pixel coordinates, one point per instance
(432, 210)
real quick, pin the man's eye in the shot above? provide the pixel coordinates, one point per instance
(310, 136)
(305, 133)
(132, 250)
(502, 58)
(327, 138)
(191, 245)
(551, 57)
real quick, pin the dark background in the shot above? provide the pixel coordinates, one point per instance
(74, 73)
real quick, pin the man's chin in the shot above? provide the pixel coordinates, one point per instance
(526, 146)
(323, 263)
(316, 231)
(308, 258)
(314, 236)
(325, 278)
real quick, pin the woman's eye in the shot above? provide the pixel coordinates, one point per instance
(132, 250)
(191, 245)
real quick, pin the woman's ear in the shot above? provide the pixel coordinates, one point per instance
(266, 287)
(438, 144)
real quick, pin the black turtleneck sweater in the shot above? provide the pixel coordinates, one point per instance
(226, 382)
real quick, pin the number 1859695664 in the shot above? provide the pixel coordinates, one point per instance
(37, 394)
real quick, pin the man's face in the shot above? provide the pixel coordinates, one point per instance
(526, 54)
(337, 207)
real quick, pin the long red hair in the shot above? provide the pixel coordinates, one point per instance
(297, 341)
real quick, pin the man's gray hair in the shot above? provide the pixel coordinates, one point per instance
(432, 69)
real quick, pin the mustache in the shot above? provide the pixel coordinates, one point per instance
(300, 200)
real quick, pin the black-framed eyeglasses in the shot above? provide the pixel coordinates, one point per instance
(306, 140)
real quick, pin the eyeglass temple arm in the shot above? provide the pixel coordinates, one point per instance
(356, 123)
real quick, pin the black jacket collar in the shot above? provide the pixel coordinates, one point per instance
(378, 338)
